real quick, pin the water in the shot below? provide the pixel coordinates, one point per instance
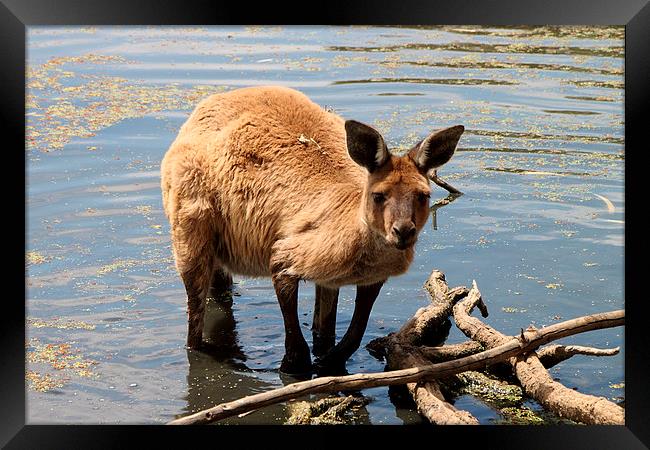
(540, 227)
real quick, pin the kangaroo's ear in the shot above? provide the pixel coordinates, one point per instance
(365, 145)
(437, 148)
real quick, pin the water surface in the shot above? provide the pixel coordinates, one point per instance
(540, 227)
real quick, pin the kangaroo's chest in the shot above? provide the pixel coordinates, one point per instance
(369, 266)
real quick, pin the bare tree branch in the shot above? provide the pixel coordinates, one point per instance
(532, 375)
(509, 349)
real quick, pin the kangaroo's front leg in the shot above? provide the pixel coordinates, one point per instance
(334, 361)
(324, 325)
(296, 359)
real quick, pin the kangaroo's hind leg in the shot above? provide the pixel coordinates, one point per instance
(193, 240)
(196, 285)
(221, 283)
(296, 359)
(324, 324)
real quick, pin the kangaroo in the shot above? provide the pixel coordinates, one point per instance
(261, 181)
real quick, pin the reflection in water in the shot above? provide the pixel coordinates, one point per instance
(219, 332)
(493, 64)
(104, 247)
(612, 51)
(439, 204)
(450, 81)
(217, 373)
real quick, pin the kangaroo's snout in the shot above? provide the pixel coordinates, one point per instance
(405, 233)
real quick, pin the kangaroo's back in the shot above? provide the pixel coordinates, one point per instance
(247, 162)
(275, 126)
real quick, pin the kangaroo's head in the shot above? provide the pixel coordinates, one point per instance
(396, 196)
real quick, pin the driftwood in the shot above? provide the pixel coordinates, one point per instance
(427, 395)
(517, 350)
(326, 411)
(532, 374)
(428, 398)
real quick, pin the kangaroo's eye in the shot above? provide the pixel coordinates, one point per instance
(378, 197)
(423, 197)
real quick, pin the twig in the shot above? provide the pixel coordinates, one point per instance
(439, 204)
(555, 354)
(510, 348)
(433, 176)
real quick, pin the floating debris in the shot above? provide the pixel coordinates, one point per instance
(509, 309)
(35, 258)
(115, 266)
(326, 411)
(43, 382)
(60, 357)
(61, 324)
(608, 203)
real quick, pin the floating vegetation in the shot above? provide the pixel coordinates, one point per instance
(521, 416)
(144, 209)
(451, 81)
(537, 172)
(592, 99)
(120, 264)
(543, 136)
(326, 411)
(511, 310)
(34, 257)
(571, 112)
(43, 382)
(599, 84)
(545, 151)
(60, 111)
(60, 357)
(611, 51)
(398, 94)
(491, 390)
(473, 63)
(61, 324)
(595, 32)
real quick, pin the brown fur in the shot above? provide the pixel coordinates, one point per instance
(245, 195)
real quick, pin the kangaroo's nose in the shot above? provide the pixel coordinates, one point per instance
(404, 232)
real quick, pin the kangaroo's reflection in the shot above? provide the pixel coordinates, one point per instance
(218, 373)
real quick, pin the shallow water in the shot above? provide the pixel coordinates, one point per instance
(539, 227)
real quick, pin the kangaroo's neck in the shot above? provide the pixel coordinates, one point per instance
(369, 257)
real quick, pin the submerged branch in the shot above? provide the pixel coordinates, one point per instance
(511, 347)
(532, 375)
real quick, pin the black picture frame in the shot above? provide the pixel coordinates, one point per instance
(16, 15)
